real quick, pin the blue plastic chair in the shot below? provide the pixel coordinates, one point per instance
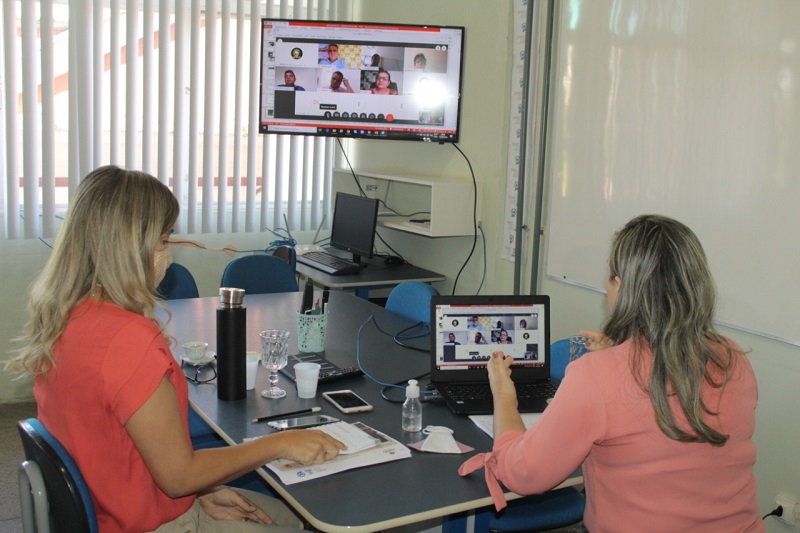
(260, 274)
(559, 358)
(178, 283)
(52, 491)
(541, 512)
(412, 299)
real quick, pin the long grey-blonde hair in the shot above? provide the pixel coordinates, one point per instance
(666, 301)
(104, 248)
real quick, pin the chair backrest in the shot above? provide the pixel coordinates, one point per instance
(178, 283)
(412, 299)
(260, 274)
(559, 358)
(65, 491)
(288, 254)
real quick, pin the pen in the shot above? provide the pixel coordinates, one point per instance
(285, 415)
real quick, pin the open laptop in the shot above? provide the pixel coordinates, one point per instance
(465, 330)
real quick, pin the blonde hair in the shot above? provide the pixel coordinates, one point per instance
(105, 247)
(666, 301)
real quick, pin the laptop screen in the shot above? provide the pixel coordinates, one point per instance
(467, 329)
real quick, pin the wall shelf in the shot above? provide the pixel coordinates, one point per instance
(446, 202)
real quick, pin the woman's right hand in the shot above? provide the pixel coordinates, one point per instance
(499, 368)
(308, 446)
(597, 340)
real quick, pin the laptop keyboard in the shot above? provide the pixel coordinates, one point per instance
(481, 391)
(329, 263)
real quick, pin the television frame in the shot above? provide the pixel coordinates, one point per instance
(353, 215)
(426, 104)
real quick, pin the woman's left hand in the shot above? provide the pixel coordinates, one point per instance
(226, 504)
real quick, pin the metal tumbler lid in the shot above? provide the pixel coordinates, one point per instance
(230, 297)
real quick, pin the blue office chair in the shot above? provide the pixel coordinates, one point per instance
(542, 512)
(178, 283)
(260, 274)
(52, 491)
(559, 358)
(412, 299)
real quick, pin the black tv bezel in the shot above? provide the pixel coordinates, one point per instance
(357, 253)
(365, 130)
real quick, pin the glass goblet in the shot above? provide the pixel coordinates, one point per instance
(274, 352)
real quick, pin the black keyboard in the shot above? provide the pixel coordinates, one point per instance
(328, 371)
(335, 266)
(479, 391)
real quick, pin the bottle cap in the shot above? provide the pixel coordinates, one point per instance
(230, 297)
(412, 391)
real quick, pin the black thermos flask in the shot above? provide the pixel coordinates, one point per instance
(231, 345)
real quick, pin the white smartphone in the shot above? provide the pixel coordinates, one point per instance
(347, 401)
(302, 422)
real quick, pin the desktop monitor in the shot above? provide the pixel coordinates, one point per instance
(361, 79)
(354, 221)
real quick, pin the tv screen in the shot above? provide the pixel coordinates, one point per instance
(354, 221)
(361, 79)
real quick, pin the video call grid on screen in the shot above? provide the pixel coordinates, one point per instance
(424, 64)
(467, 335)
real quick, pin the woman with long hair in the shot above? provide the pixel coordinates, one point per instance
(660, 416)
(108, 387)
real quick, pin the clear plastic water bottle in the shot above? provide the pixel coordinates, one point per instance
(412, 408)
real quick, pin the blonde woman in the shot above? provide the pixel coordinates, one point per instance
(661, 416)
(108, 388)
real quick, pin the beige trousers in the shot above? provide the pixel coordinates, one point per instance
(195, 520)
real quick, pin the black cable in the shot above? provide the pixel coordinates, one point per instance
(474, 216)
(778, 511)
(364, 194)
(399, 335)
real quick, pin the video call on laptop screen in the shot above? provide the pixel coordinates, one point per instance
(466, 335)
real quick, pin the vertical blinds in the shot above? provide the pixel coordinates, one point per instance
(170, 88)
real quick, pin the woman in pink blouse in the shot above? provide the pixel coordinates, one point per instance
(660, 415)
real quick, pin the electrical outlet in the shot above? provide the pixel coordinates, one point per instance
(790, 509)
(372, 188)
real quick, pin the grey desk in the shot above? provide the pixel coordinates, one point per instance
(373, 498)
(376, 275)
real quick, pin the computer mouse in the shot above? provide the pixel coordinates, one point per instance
(393, 260)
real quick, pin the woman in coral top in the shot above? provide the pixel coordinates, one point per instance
(660, 414)
(108, 388)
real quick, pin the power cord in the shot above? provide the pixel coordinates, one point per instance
(474, 217)
(399, 337)
(778, 511)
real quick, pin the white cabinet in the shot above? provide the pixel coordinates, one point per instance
(444, 204)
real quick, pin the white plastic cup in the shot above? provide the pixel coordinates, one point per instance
(577, 346)
(253, 361)
(306, 376)
(195, 351)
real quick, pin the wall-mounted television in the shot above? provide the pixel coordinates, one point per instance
(361, 79)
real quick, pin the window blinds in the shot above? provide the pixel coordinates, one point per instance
(170, 88)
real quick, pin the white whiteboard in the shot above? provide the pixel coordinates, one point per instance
(689, 109)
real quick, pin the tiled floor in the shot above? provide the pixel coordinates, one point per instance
(10, 457)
